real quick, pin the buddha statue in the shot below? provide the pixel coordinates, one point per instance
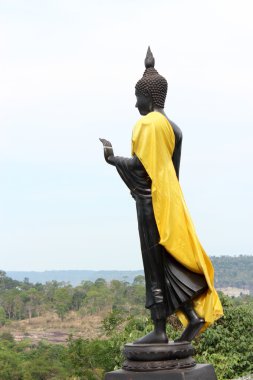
(179, 275)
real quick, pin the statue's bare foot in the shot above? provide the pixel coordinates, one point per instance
(153, 337)
(191, 330)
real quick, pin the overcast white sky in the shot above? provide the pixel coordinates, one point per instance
(67, 74)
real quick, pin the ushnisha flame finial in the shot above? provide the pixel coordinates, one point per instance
(149, 60)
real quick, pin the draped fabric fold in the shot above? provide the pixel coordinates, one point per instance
(153, 143)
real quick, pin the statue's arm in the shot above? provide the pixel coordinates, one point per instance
(108, 151)
(130, 163)
(176, 157)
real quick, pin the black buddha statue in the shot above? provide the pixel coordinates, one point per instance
(178, 274)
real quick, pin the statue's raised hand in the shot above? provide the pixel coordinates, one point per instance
(108, 151)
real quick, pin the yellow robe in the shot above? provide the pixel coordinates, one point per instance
(153, 142)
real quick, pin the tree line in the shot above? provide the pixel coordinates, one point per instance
(22, 299)
(228, 345)
(234, 271)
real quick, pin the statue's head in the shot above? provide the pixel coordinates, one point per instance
(151, 89)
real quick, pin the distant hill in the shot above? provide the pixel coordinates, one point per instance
(234, 271)
(74, 277)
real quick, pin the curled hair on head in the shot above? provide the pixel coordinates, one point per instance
(152, 83)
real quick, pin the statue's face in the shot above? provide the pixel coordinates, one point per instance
(144, 103)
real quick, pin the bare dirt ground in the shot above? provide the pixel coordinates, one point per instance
(51, 329)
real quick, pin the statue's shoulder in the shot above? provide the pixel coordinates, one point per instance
(152, 122)
(158, 121)
(149, 121)
(154, 118)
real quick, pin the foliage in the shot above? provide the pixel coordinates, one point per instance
(2, 316)
(112, 321)
(22, 299)
(227, 344)
(9, 365)
(62, 300)
(45, 362)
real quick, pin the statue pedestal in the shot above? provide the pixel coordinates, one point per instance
(198, 372)
(171, 361)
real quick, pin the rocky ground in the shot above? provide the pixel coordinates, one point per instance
(50, 328)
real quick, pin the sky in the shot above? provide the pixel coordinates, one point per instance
(67, 74)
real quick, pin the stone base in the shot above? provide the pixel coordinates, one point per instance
(158, 357)
(162, 351)
(198, 372)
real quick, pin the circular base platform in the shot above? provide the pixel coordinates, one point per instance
(137, 366)
(153, 357)
(164, 351)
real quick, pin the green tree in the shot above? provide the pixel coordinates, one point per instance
(62, 301)
(46, 362)
(97, 297)
(2, 279)
(100, 283)
(228, 344)
(9, 365)
(31, 299)
(139, 280)
(9, 359)
(10, 302)
(112, 321)
(78, 297)
(2, 316)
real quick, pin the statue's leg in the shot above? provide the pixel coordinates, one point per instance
(153, 269)
(195, 323)
(158, 315)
